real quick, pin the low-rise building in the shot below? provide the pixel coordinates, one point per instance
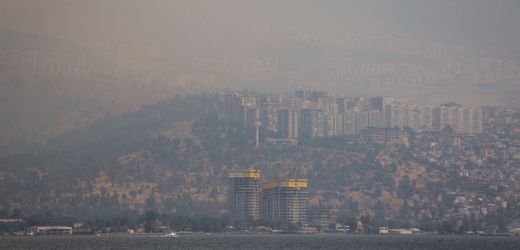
(515, 232)
(50, 230)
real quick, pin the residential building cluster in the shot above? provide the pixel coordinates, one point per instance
(462, 120)
(490, 158)
(282, 203)
(314, 113)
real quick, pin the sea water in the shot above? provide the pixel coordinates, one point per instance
(260, 241)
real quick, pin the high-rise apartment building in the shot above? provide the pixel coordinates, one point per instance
(349, 122)
(310, 95)
(335, 125)
(269, 112)
(244, 196)
(249, 101)
(288, 122)
(462, 120)
(387, 101)
(376, 118)
(232, 108)
(269, 116)
(387, 105)
(362, 121)
(331, 107)
(241, 110)
(249, 116)
(343, 104)
(416, 117)
(311, 123)
(249, 112)
(284, 202)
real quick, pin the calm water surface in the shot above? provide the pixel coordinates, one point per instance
(225, 241)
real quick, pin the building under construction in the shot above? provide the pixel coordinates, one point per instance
(284, 202)
(244, 196)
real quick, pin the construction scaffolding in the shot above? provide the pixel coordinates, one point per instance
(244, 196)
(284, 202)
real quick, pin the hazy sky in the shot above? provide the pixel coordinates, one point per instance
(104, 19)
(240, 33)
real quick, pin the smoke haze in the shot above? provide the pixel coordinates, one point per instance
(66, 63)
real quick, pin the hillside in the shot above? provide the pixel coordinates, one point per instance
(173, 157)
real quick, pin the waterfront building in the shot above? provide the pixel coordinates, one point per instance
(284, 202)
(244, 196)
(322, 217)
(50, 230)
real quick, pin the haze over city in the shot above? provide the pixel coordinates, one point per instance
(420, 51)
(373, 114)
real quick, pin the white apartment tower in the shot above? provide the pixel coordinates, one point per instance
(416, 117)
(462, 120)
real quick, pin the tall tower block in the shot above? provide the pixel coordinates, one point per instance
(285, 202)
(244, 196)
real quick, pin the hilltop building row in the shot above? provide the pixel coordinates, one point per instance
(311, 114)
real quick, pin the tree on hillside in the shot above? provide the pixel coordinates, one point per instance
(406, 188)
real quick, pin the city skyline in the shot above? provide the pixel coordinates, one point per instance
(231, 123)
(307, 114)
